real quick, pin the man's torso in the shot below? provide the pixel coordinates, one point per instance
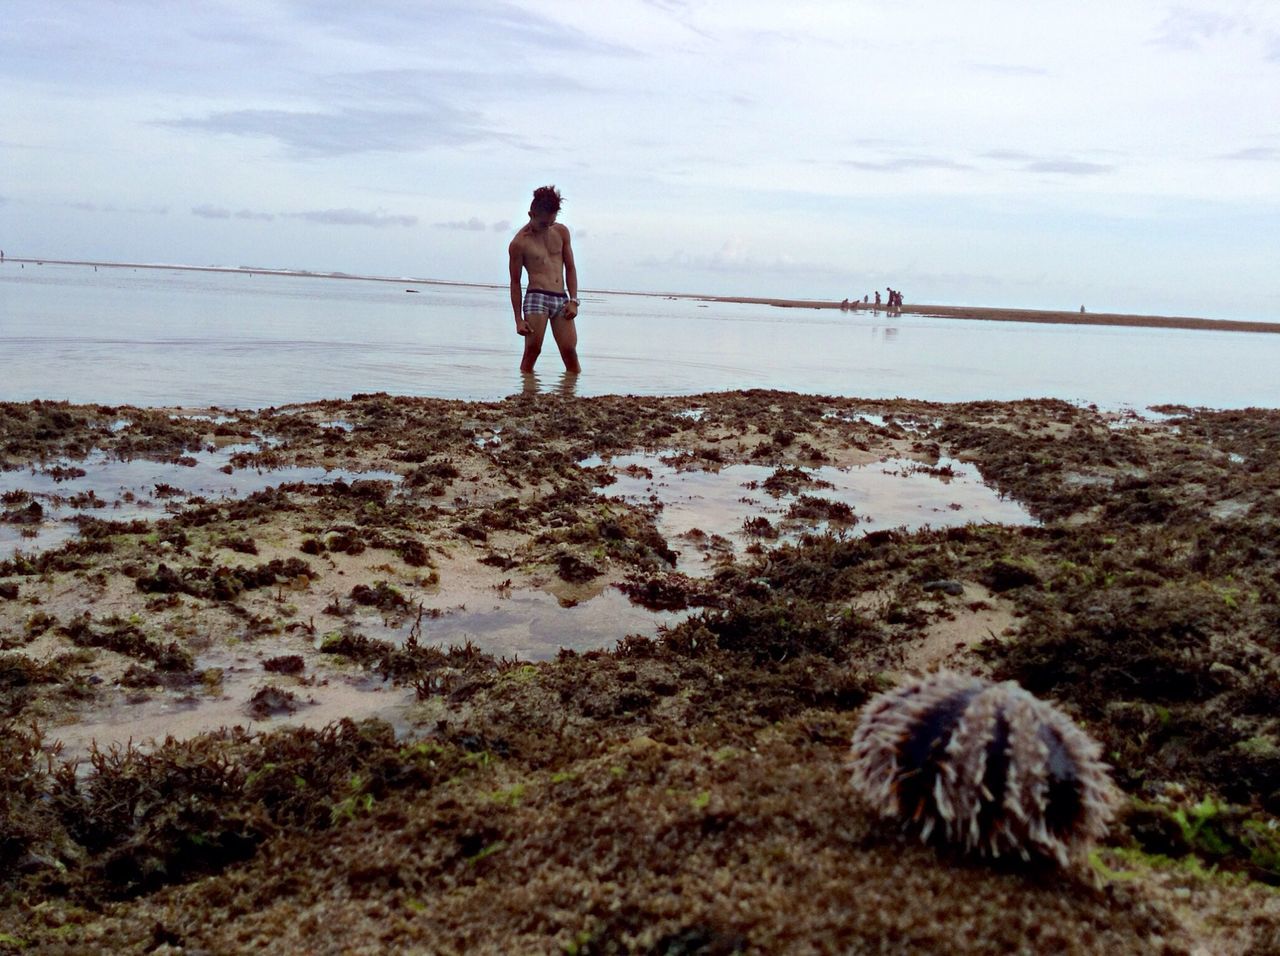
(542, 255)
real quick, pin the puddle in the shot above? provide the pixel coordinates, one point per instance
(320, 695)
(707, 512)
(526, 624)
(910, 424)
(1140, 418)
(212, 419)
(487, 437)
(124, 490)
(1229, 509)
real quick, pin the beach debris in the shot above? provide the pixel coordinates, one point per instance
(983, 767)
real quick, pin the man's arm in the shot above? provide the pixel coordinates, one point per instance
(570, 274)
(516, 263)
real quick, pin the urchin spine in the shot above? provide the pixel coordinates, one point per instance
(982, 766)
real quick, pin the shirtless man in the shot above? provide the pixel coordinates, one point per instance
(542, 249)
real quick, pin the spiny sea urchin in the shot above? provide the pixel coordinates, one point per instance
(987, 767)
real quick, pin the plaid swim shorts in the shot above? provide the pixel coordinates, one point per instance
(542, 302)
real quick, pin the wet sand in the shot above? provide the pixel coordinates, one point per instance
(672, 781)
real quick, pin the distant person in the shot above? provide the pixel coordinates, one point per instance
(866, 299)
(877, 298)
(844, 306)
(542, 249)
(1081, 307)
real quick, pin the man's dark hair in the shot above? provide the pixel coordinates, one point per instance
(546, 199)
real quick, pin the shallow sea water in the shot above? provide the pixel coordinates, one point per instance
(163, 337)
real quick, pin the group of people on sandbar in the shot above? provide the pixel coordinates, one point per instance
(894, 301)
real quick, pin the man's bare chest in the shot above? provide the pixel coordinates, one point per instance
(547, 248)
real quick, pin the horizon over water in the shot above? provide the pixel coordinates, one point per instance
(184, 336)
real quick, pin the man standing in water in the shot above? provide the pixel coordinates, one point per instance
(542, 250)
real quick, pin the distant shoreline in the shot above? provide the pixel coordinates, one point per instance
(1044, 316)
(967, 312)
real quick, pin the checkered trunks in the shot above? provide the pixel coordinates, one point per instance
(542, 302)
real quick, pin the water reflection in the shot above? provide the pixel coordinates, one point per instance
(566, 384)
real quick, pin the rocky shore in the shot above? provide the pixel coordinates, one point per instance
(287, 761)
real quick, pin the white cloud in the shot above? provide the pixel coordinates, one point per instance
(1071, 167)
(900, 164)
(308, 134)
(1266, 154)
(737, 257)
(95, 207)
(474, 224)
(1185, 28)
(353, 217)
(211, 212)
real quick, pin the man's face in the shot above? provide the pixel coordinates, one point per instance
(541, 221)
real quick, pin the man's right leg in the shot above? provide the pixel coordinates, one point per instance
(537, 322)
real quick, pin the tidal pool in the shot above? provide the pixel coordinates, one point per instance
(707, 514)
(117, 489)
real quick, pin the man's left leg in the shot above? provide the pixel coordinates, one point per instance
(565, 331)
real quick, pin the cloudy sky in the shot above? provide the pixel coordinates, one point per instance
(1047, 154)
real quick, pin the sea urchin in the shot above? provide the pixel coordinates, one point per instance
(984, 767)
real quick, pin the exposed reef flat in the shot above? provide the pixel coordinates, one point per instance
(374, 789)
